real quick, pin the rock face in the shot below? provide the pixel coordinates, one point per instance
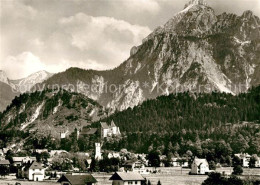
(195, 50)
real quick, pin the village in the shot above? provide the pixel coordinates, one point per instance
(119, 167)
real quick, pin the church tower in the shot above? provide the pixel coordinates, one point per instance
(98, 151)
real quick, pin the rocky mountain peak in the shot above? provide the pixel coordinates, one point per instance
(195, 2)
(247, 14)
(3, 77)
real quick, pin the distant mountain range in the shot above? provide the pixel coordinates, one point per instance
(11, 88)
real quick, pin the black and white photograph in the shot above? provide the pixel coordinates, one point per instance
(129, 92)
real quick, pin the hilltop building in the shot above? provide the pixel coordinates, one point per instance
(109, 130)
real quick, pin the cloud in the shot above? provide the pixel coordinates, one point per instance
(95, 34)
(105, 38)
(22, 65)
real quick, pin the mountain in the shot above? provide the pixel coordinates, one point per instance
(11, 88)
(195, 50)
(192, 121)
(50, 112)
(25, 84)
(3, 77)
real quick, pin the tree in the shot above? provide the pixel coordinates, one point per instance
(159, 183)
(252, 161)
(154, 159)
(149, 182)
(94, 165)
(237, 170)
(212, 165)
(4, 170)
(236, 161)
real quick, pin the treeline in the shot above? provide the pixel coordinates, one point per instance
(215, 125)
(195, 111)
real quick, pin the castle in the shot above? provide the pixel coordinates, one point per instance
(109, 130)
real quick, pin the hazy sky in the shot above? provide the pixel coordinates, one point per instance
(54, 35)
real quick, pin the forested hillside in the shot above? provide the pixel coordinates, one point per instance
(214, 125)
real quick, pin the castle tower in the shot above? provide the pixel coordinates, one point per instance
(98, 151)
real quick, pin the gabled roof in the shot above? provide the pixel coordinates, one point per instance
(104, 125)
(198, 161)
(36, 165)
(88, 131)
(113, 124)
(4, 162)
(78, 179)
(129, 176)
(18, 159)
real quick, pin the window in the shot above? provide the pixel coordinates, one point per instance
(136, 182)
(130, 182)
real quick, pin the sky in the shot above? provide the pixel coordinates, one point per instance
(54, 35)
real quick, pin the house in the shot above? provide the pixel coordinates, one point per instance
(63, 134)
(39, 151)
(57, 152)
(36, 172)
(113, 155)
(245, 158)
(77, 180)
(176, 162)
(109, 130)
(125, 178)
(199, 166)
(4, 163)
(135, 166)
(19, 161)
(87, 131)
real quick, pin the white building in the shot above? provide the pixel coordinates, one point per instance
(245, 158)
(36, 172)
(64, 134)
(19, 161)
(98, 151)
(57, 152)
(199, 166)
(113, 155)
(177, 162)
(135, 166)
(109, 130)
(123, 178)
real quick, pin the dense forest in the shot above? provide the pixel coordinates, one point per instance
(215, 126)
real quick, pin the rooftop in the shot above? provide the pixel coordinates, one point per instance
(78, 179)
(129, 176)
(4, 162)
(36, 165)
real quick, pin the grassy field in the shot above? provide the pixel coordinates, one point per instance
(167, 176)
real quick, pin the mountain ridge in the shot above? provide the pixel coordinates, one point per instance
(194, 48)
(18, 86)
